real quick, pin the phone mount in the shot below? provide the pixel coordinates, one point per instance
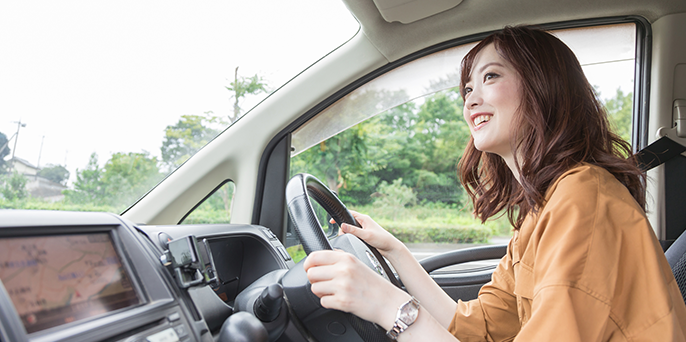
(190, 262)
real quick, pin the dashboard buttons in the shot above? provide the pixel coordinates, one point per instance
(283, 253)
(269, 234)
(174, 317)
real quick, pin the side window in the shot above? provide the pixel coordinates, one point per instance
(214, 209)
(390, 148)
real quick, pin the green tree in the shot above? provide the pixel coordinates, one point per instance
(124, 178)
(55, 173)
(187, 136)
(4, 151)
(127, 176)
(241, 87)
(422, 146)
(14, 186)
(345, 161)
(619, 109)
(440, 137)
(393, 198)
(88, 187)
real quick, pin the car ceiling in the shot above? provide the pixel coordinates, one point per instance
(395, 40)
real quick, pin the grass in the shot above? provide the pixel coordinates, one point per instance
(39, 204)
(436, 223)
(429, 224)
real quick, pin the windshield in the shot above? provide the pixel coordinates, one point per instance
(101, 100)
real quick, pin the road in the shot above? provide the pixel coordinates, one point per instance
(425, 250)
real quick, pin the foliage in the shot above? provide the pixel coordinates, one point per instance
(214, 209)
(13, 186)
(4, 151)
(421, 146)
(435, 222)
(208, 215)
(187, 136)
(297, 253)
(241, 87)
(124, 178)
(346, 161)
(55, 173)
(619, 113)
(127, 176)
(88, 187)
(33, 203)
(393, 198)
(409, 233)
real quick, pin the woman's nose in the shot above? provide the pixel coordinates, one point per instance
(474, 99)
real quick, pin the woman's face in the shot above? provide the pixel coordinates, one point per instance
(492, 97)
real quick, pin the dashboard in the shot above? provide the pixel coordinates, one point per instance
(68, 276)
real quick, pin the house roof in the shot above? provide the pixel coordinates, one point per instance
(26, 163)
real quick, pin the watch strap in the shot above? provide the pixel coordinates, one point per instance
(399, 326)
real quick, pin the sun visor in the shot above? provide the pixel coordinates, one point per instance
(408, 11)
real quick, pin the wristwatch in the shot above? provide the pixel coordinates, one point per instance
(407, 314)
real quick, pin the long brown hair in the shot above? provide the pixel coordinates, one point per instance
(561, 124)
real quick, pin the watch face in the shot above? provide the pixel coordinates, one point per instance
(408, 313)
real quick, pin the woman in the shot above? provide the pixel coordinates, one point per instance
(583, 264)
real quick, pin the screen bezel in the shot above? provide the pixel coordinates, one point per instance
(56, 231)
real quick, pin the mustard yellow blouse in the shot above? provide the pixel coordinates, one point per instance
(586, 267)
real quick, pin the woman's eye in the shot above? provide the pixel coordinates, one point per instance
(489, 76)
(467, 90)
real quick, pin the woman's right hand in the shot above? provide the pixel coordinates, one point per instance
(373, 234)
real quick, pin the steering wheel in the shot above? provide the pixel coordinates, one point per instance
(325, 324)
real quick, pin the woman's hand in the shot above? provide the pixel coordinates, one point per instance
(344, 283)
(373, 234)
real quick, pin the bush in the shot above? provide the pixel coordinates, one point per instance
(207, 215)
(14, 187)
(393, 198)
(423, 232)
(31, 203)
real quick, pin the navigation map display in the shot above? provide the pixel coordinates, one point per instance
(54, 280)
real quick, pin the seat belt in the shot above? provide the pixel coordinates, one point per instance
(667, 151)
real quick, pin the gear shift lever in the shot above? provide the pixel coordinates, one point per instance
(243, 327)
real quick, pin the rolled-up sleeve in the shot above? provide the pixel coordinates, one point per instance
(493, 315)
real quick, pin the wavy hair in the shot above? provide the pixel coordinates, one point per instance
(560, 124)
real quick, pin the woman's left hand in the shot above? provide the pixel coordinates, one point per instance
(344, 283)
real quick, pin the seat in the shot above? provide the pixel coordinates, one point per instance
(676, 256)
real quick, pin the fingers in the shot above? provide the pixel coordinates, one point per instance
(332, 273)
(359, 232)
(357, 216)
(362, 219)
(344, 283)
(321, 258)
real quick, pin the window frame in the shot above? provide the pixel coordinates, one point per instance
(197, 205)
(275, 159)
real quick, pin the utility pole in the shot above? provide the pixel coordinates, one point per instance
(16, 137)
(40, 151)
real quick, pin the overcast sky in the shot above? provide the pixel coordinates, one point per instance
(105, 77)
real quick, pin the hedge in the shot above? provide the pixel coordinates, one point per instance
(414, 232)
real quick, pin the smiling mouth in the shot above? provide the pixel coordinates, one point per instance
(481, 119)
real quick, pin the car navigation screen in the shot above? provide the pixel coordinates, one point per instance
(54, 280)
